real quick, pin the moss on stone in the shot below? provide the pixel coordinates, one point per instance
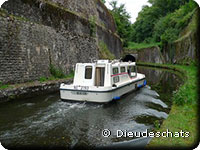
(105, 52)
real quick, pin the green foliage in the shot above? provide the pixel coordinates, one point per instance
(168, 28)
(157, 124)
(143, 27)
(121, 17)
(187, 93)
(163, 21)
(104, 51)
(4, 86)
(70, 75)
(169, 35)
(93, 29)
(137, 46)
(184, 111)
(43, 79)
(57, 73)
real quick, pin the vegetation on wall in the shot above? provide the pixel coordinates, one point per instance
(105, 52)
(55, 72)
(168, 28)
(93, 28)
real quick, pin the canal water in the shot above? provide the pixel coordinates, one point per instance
(47, 121)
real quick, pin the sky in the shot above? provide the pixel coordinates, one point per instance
(133, 7)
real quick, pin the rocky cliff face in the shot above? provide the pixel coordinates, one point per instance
(186, 48)
(35, 34)
(152, 55)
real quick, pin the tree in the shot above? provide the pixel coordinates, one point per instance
(121, 17)
(143, 28)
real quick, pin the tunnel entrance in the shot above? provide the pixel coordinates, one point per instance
(129, 57)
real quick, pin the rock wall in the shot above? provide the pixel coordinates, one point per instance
(186, 48)
(35, 34)
(152, 55)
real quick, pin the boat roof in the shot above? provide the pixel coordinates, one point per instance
(113, 62)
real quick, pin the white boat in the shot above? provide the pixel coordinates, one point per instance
(102, 81)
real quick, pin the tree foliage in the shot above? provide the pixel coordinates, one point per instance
(121, 17)
(169, 27)
(162, 17)
(161, 22)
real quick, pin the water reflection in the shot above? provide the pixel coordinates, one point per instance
(48, 121)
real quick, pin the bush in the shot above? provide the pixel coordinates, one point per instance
(169, 35)
(57, 73)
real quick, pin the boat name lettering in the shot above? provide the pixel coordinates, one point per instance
(85, 88)
(79, 93)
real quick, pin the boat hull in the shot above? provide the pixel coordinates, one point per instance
(100, 96)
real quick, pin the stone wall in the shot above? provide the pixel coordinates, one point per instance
(152, 55)
(27, 50)
(182, 50)
(38, 34)
(89, 9)
(29, 90)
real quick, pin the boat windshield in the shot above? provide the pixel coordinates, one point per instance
(132, 71)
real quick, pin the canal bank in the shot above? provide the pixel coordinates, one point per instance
(31, 89)
(183, 115)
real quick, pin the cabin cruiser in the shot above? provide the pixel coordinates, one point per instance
(102, 81)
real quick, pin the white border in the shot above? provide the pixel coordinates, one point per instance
(1, 147)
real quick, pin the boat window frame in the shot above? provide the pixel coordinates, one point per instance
(116, 79)
(133, 71)
(114, 72)
(121, 69)
(88, 67)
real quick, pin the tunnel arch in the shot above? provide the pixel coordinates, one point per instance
(129, 57)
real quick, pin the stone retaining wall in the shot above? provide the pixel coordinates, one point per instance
(30, 90)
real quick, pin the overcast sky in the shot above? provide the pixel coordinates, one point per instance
(133, 7)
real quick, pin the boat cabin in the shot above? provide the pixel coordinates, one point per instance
(104, 73)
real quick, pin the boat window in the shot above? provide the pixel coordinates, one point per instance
(88, 72)
(116, 79)
(115, 70)
(133, 71)
(123, 69)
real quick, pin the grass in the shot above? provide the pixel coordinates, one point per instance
(183, 114)
(138, 46)
(30, 83)
(52, 78)
(4, 86)
(56, 72)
